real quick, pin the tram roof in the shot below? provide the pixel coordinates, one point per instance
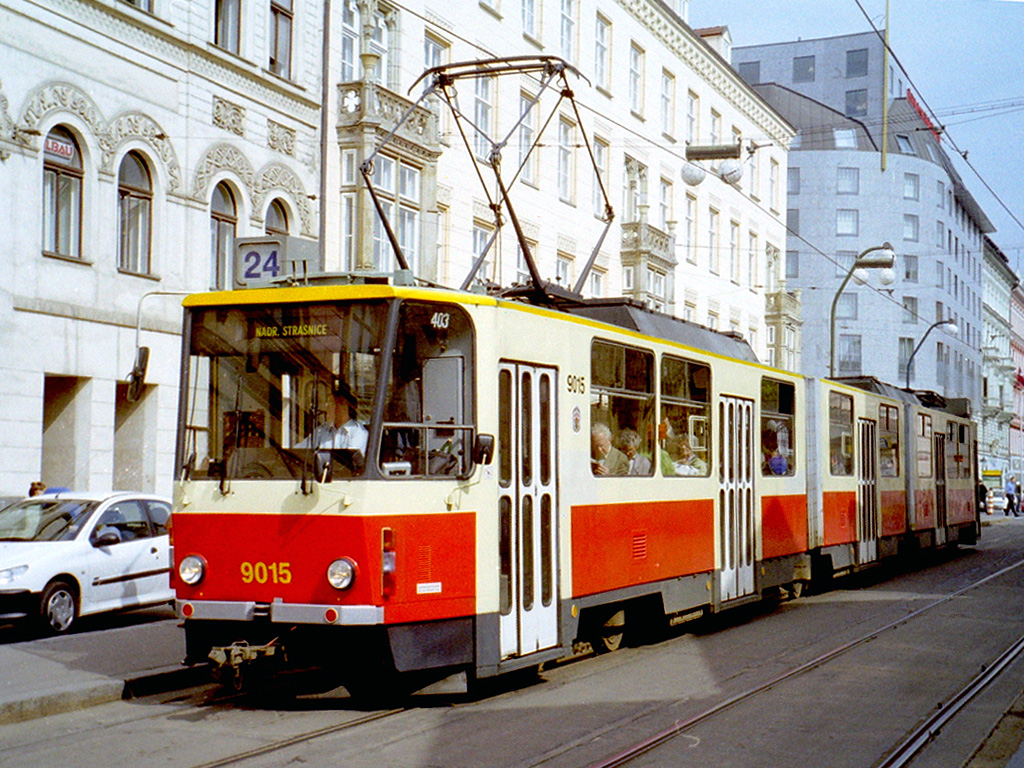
(625, 313)
(958, 406)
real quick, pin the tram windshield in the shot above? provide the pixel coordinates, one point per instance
(269, 387)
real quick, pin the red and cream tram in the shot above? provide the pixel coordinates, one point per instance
(503, 479)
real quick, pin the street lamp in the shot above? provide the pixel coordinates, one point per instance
(878, 257)
(951, 328)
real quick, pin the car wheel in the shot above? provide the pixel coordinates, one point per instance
(59, 607)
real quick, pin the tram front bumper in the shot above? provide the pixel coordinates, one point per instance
(281, 613)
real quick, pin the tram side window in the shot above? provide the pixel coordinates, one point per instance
(924, 445)
(957, 452)
(621, 410)
(889, 437)
(685, 426)
(778, 409)
(427, 412)
(840, 433)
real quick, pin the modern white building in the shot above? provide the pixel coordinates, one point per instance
(138, 138)
(869, 167)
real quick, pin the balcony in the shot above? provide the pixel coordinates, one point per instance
(363, 103)
(643, 242)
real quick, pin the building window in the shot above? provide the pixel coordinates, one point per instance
(628, 280)
(636, 79)
(713, 255)
(849, 355)
(792, 264)
(793, 181)
(773, 184)
(906, 349)
(223, 221)
(527, 134)
(380, 44)
(846, 307)
(564, 270)
(750, 71)
(668, 103)
(664, 203)
(62, 195)
(529, 11)
(910, 268)
(483, 101)
(903, 143)
(277, 219)
(567, 30)
(844, 138)
(281, 21)
(596, 283)
(692, 117)
(803, 69)
(909, 309)
(602, 51)
(135, 215)
(751, 259)
(144, 5)
(227, 24)
(911, 186)
(734, 251)
(690, 230)
(857, 63)
(848, 181)
(848, 221)
(857, 103)
(398, 186)
(566, 161)
(349, 41)
(601, 163)
(481, 238)
(911, 227)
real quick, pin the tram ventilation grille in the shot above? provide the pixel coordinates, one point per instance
(639, 545)
(424, 564)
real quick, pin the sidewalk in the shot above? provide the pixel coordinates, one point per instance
(134, 654)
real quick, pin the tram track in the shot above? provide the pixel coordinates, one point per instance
(900, 755)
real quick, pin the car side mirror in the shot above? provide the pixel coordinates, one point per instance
(483, 449)
(322, 466)
(107, 539)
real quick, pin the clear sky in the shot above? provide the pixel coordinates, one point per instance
(966, 59)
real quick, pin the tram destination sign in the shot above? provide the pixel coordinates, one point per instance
(259, 261)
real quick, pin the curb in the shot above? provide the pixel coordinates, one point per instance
(90, 694)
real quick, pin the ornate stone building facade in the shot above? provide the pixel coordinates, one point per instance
(136, 140)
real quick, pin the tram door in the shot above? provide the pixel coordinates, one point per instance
(867, 491)
(940, 486)
(527, 514)
(736, 496)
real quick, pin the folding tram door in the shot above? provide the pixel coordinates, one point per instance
(736, 497)
(867, 492)
(527, 508)
(940, 487)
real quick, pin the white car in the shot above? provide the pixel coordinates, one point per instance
(67, 555)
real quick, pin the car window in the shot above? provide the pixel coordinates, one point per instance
(159, 514)
(127, 518)
(44, 519)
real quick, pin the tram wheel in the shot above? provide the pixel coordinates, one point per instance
(608, 636)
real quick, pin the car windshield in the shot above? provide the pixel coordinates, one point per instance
(44, 519)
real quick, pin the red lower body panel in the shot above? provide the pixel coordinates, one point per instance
(840, 513)
(894, 512)
(783, 525)
(620, 545)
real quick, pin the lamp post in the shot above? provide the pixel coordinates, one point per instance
(951, 329)
(877, 257)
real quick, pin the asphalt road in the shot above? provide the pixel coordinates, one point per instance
(576, 715)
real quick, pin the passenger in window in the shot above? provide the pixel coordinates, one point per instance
(639, 464)
(685, 461)
(605, 458)
(343, 431)
(774, 462)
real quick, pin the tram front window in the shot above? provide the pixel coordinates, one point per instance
(268, 385)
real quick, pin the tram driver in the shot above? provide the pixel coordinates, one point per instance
(342, 431)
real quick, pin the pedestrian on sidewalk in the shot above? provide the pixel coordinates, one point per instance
(1011, 497)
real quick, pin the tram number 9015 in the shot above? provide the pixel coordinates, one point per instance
(261, 573)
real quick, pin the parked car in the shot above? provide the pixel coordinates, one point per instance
(67, 555)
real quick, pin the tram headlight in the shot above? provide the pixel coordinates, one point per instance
(341, 573)
(191, 569)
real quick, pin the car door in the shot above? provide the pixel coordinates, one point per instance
(130, 571)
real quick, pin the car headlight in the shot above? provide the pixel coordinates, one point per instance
(341, 573)
(7, 575)
(191, 569)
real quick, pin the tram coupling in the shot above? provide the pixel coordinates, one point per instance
(230, 661)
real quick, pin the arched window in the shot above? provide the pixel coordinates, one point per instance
(135, 212)
(223, 219)
(62, 195)
(277, 219)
